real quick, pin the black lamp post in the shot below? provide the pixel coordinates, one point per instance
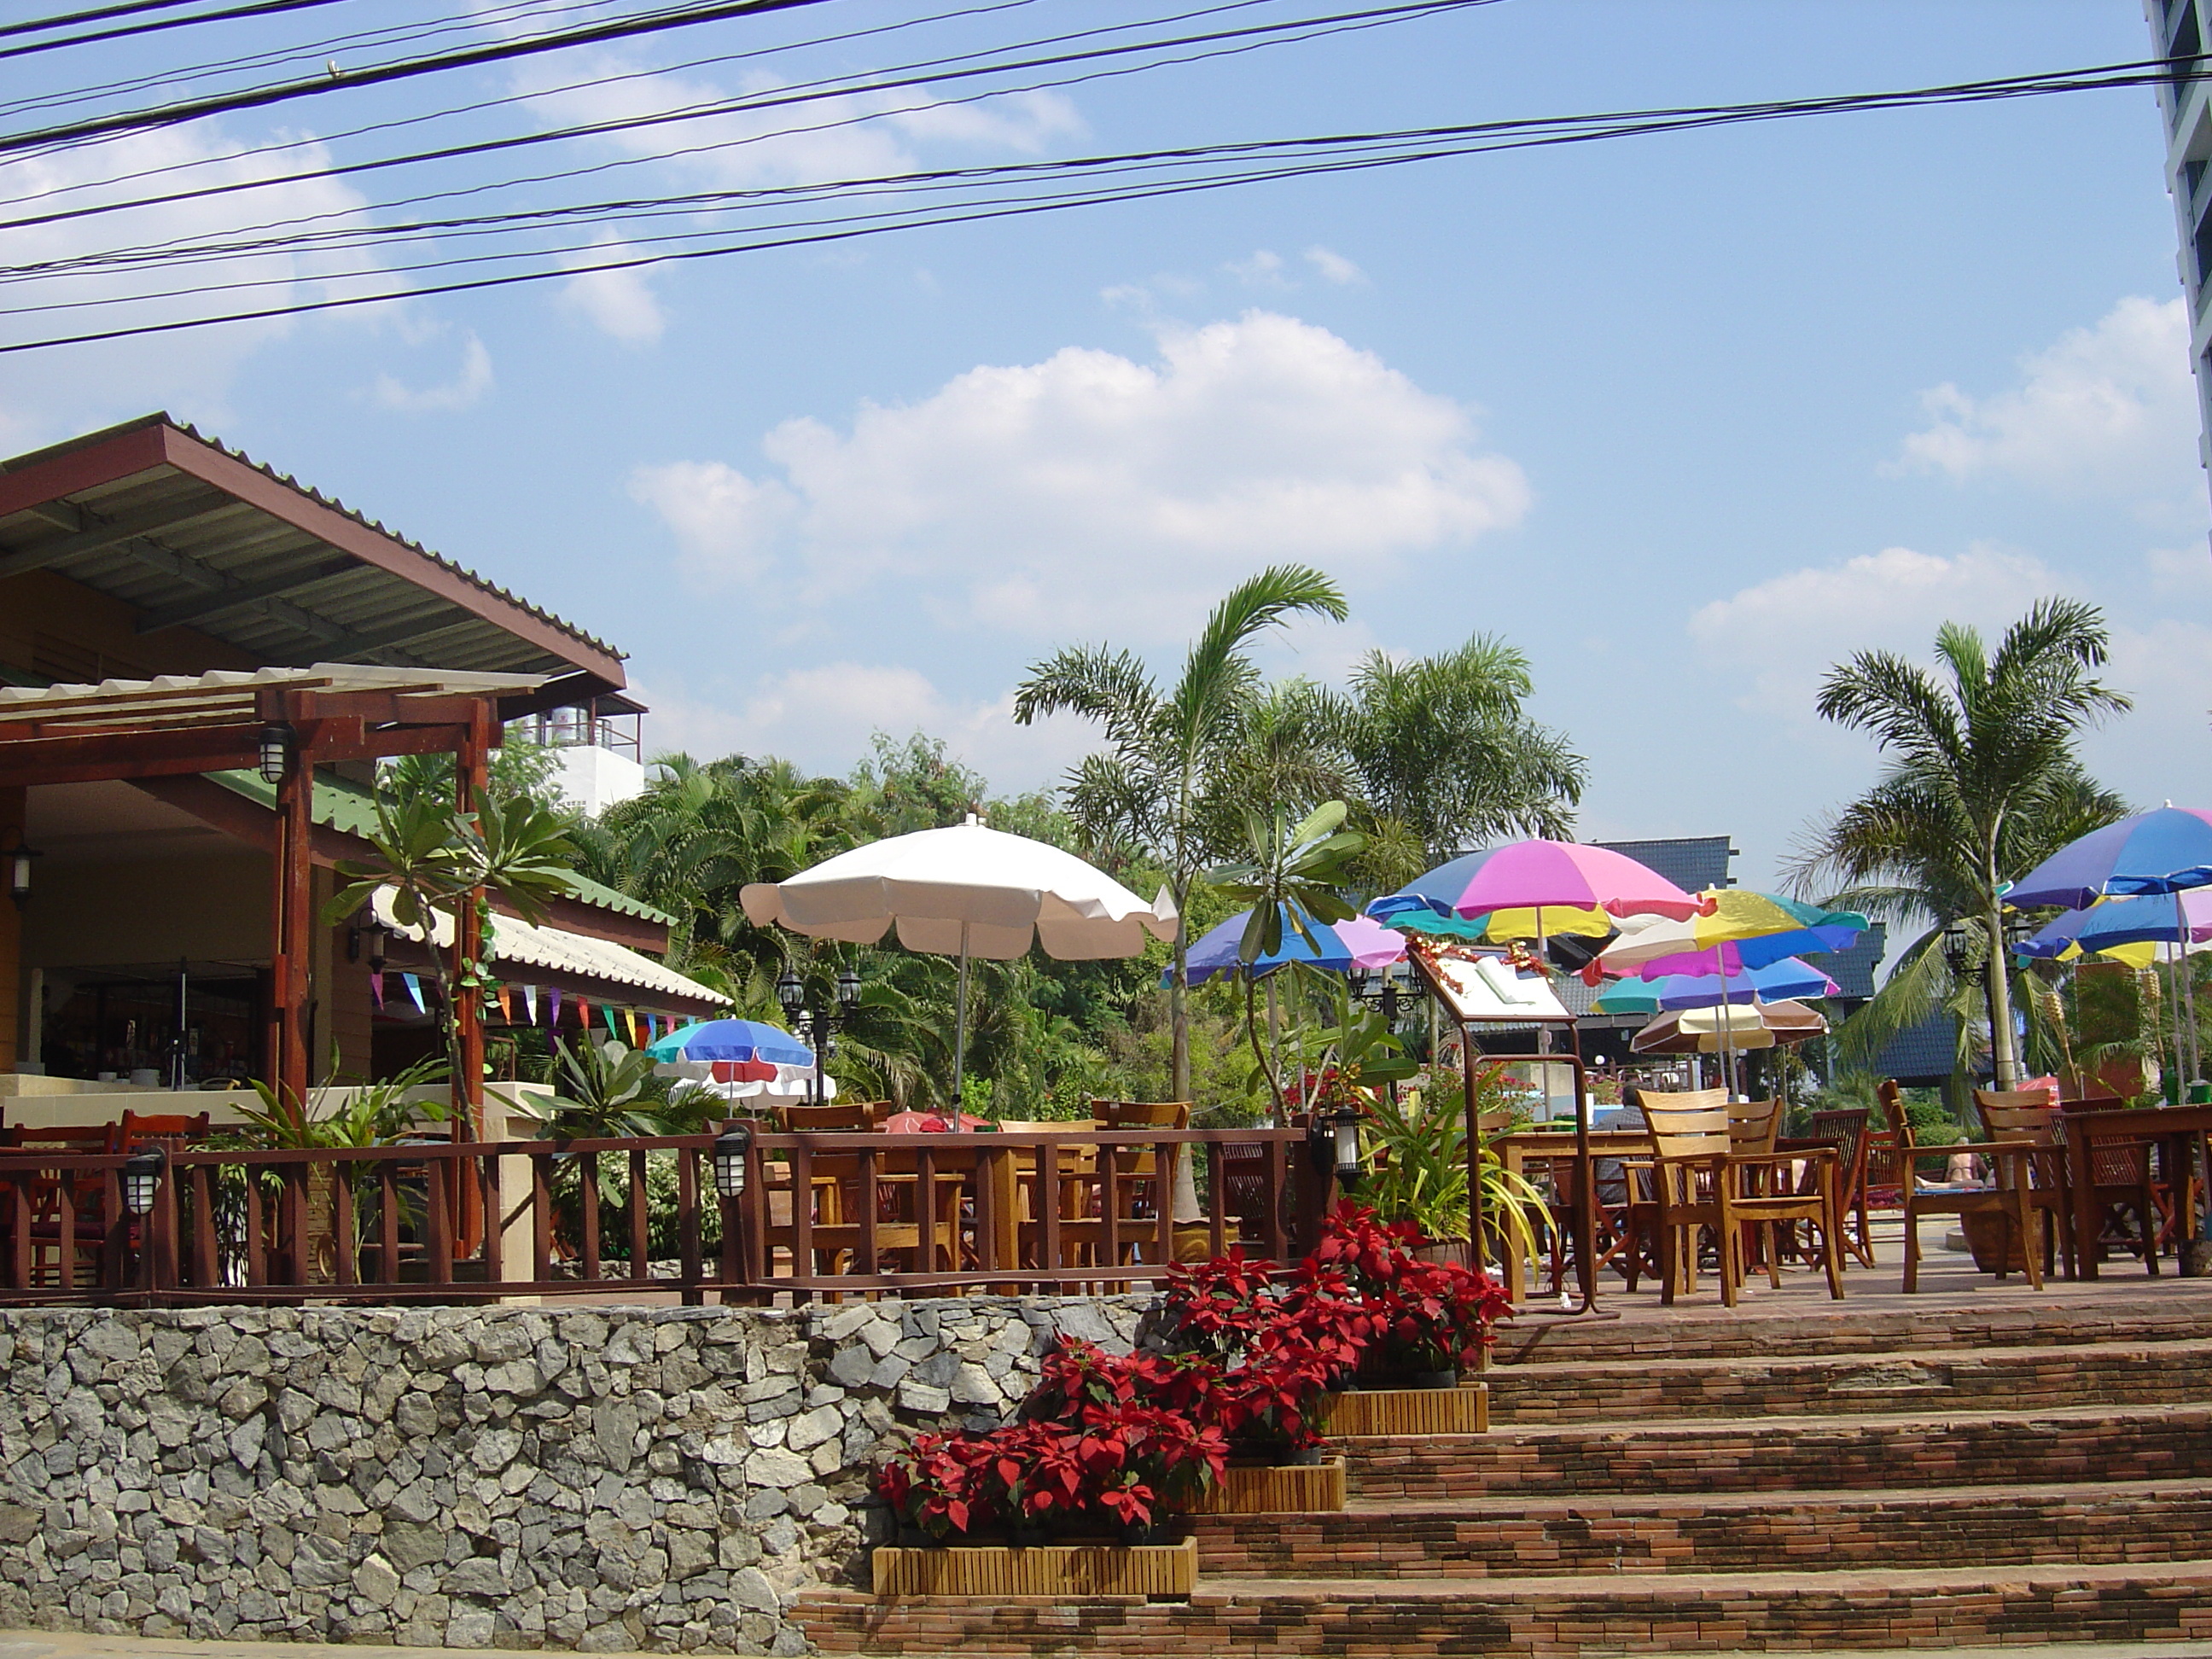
(815, 1023)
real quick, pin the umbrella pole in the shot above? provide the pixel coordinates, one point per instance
(2188, 992)
(960, 1025)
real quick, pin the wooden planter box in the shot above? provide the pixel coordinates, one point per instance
(1462, 1410)
(1060, 1570)
(1278, 1489)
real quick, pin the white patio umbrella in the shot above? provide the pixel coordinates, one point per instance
(968, 891)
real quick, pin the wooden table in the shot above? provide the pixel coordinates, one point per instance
(2176, 1130)
(1517, 1150)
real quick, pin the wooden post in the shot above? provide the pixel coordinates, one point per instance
(291, 922)
(470, 768)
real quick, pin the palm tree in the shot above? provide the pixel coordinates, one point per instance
(1145, 792)
(1982, 785)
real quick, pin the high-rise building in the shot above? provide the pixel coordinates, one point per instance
(2179, 30)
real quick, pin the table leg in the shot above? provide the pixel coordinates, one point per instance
(2082, 1172)
(1516, 1287)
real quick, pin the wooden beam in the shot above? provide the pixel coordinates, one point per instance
(98, 535)
(240, 594)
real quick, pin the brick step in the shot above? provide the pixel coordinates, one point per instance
(2124, 1311)
(1709, 1614)
(2117, 1446)
(1852, 1384)
(1492, 1538)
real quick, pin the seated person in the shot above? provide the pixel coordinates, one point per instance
(1612, 1182)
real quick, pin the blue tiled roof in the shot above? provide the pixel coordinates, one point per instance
(1690, 862)
(1922, 1053)
(1853, 969)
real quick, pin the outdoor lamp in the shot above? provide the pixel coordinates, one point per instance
(277, 740)
(789, 992)
(142, 1179)
(19, 872)
(1957, 947)
(732, 1150)
(848, 989)
(1359, 976)
(1344, 1136)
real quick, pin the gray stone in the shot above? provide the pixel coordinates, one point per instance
(853, 1366)
(920, 1398)
(376, 1581)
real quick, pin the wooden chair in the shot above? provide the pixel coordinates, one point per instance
(2011, 1197)
(2121, 1174)
(1128, 1182)
(1846, 1130)
(53, 1205)
(1753, 1126)
(135, 1129)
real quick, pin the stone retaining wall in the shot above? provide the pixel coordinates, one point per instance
(603, 1478)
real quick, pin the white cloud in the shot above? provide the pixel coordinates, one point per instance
(1334, 267)
(822, 717)
(618, 303)
(1768, 645)
(2106, 410)
(1263, 269)
(1092, 491)
(49, 394)
(466, 389)
(2181, 573)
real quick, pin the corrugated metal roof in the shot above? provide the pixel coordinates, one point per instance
(1923, 1054)
(1690, 862)
(342, 803)
(517, 943)
(185, 549)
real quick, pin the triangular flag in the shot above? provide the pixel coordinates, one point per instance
(613, 1029)
(553, 997)
(376, 985)
(584, 1013)
(506, 1005)
(530, 1001)
(629, 1019)
(415, 990)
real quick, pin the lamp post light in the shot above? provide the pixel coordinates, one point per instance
(815, 1023)
(1343, 1141)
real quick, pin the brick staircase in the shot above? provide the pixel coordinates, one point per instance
(1874, 1478)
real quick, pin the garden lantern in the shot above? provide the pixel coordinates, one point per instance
(1344, 1137)
(848, 989)
(1958, 946)
(790, 993)
(19, 871)
(732, 1153)
(142, 1179)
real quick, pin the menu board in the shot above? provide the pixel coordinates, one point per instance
(1486, 990)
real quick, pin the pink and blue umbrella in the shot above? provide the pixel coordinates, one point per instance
(2148, 919)
(1540, 875)
(734, 1041)
(1345, 945)
(1775, 982)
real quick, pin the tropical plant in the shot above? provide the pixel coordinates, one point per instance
(1145, 794)
(604, 1090)
(381, 1114)
(440, 863)
(1981, 784)
(1289, 877)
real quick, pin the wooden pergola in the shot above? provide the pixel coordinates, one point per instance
(125, 730)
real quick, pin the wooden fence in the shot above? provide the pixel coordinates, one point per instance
(821, 1213)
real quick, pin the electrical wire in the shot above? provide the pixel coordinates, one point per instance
(706, 11)
(902, 77)
(1461, 140)
(128, 8)
(256, 9)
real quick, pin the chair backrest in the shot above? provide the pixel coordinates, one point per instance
(2003, 1119)
(1893, 1109)
(1848, 1129)
(1688, 1131)
(135, 1129)
(800, 1120)
(1141, 1114)
(1754, 1125)
(1985, 1098)
(93, 1138)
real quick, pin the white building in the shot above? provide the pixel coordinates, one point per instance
(2179, 30)
(600, 744)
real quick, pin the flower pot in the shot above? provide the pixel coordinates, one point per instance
(1062, 1571)
(1277, 1489)
(1462, 1410)
(1305, 1457)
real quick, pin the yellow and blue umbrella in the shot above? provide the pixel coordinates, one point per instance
(1743, 930)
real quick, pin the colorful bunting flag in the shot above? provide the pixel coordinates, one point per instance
(630, 1020)
(415, 991)
(530, 1001)
(506, 1005)
(553, 997)
(376, 985)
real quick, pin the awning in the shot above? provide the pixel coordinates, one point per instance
(590, 967)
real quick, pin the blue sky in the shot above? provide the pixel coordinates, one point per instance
(1687, 417)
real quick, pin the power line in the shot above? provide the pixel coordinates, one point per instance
(901, 78)
(502, 51)
(130, 8)
(256, 9)
(1460, 140)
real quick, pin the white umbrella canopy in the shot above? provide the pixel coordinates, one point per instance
(969, 891)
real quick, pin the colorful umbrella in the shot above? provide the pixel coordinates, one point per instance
(1357, 942)
(732, 1040)
(1716, 1031)
(1743, 930)
(1540, 875)
(1772, 983)
(2115, 923)
(2162, 851)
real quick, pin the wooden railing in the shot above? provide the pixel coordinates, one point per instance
(821, 1213)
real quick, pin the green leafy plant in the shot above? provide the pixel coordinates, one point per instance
(1420, 1166)
(602, 1090)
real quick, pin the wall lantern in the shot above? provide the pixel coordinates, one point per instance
(732, 1153)
(278, 740)
(1344, 1136)
(19, 872)
(142, 1179)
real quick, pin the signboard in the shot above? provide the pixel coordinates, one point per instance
(1487, 991)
